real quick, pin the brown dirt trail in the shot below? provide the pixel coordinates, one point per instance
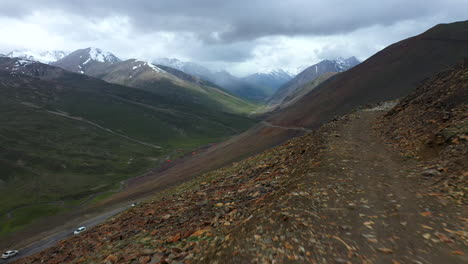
(363, 204)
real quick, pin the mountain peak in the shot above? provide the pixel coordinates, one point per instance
(101, 56)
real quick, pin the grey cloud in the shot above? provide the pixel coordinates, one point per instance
(243, 20)
(243, 34)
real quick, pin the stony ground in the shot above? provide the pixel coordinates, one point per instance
(338, 195)
(431, 125)
(363, 204)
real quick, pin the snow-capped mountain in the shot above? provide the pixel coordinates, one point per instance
(272, 79)
(43, 56)
(85, 61)
(101, 56)
(312, 73)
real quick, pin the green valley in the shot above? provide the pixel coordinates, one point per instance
(67, 137)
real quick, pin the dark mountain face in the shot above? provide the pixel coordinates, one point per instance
(310, 74)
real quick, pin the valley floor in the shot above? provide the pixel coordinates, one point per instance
(338, 195)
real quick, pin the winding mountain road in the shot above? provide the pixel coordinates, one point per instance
(62, 233)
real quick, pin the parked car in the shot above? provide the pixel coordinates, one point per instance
(79, 230)
(9, 254)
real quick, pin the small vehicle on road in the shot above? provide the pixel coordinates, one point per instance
(79, 230)
(9, 254)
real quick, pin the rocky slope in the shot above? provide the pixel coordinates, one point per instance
(314, 199)
(432, 124)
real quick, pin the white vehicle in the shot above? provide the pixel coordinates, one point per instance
(9, 254)
(79, 230)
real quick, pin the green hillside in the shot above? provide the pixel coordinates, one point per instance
(67, 136)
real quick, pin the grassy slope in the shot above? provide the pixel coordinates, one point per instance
(45, 157)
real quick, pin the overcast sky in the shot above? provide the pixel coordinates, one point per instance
(239, 36)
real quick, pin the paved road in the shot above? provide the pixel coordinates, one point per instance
(51, 240)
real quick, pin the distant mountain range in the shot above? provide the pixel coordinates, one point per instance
(273, 85)
(257, 87)
(311, 73)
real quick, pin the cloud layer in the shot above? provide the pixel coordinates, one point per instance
(242, 36)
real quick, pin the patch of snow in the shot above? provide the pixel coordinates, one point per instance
(102, 56)
(22, 63)
(152, 66)
(89, 59)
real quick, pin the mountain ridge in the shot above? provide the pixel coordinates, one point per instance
(310, 74)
